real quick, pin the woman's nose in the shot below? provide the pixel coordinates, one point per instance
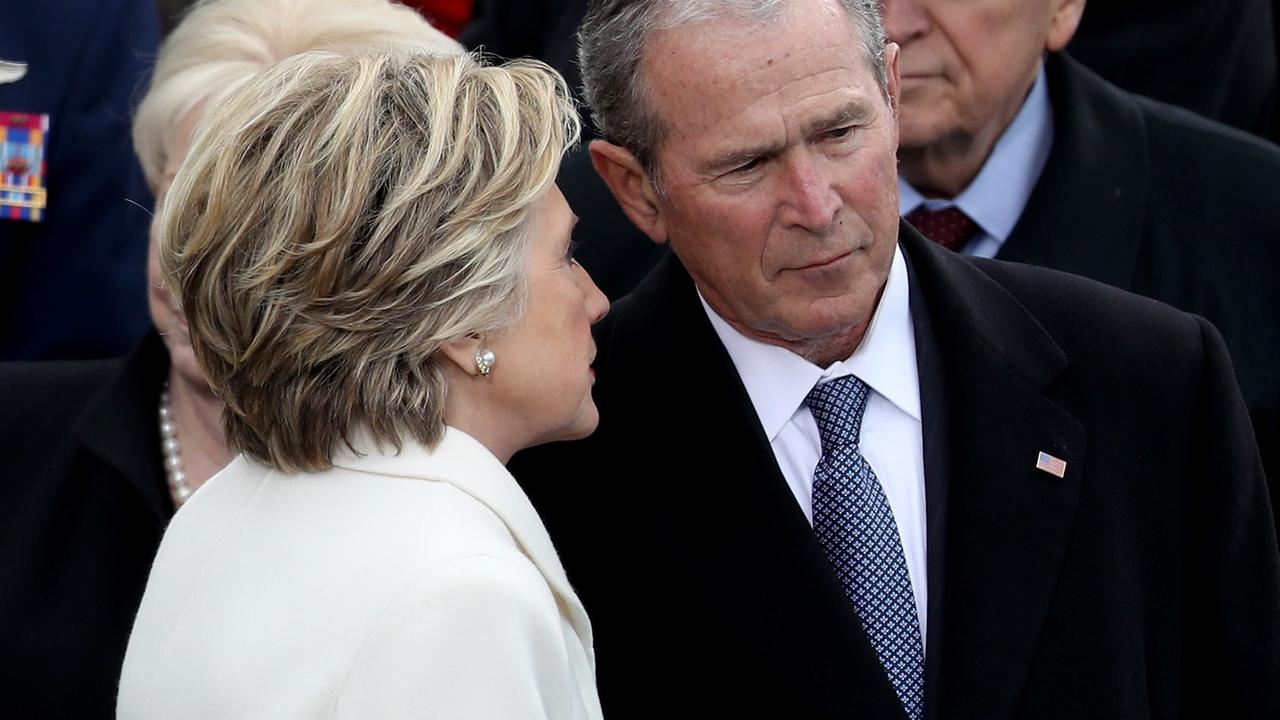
(596, 303)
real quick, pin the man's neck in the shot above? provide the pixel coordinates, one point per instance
(943, 170)
(821, 351)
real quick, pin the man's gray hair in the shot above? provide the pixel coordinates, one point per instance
(611, 48)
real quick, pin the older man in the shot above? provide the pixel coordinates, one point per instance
(1009, 155)
(841, 472)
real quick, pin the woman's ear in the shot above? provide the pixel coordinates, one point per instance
(462, 353)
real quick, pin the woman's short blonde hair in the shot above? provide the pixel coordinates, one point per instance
(338, 221)
(222, 43)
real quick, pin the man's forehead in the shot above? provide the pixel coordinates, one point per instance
(694, 68)
(692, 93)
(772, 135)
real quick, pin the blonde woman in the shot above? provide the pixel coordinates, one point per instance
(375, 265)
(219, 46)
(101, 453)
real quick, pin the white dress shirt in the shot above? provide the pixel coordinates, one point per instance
(997, 196)
(777, 381)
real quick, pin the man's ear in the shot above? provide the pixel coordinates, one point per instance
(1064, 19)
(891, 53)
(626, 180)
(462, 354)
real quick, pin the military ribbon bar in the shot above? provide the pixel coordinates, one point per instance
(23, 138)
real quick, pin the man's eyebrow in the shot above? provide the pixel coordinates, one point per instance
(856, 111)
(730, 159)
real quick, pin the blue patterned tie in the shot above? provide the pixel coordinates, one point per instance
(854, 524)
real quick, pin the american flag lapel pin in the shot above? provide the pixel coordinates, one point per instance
(1056, 467)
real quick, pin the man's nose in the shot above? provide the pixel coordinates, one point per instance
(812, 198)
(905, 20)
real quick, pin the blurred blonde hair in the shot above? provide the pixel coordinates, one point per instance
(339, 220)
(220, 44)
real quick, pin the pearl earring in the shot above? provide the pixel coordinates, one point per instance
(485, 360)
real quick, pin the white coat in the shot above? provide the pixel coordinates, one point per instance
(412, 585)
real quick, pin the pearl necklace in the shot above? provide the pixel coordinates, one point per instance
(172, 451)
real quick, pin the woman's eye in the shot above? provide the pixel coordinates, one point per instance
(571, 251)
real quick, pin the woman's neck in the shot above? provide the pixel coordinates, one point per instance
(197, 414)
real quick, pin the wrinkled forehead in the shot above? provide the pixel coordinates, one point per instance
(701, 76)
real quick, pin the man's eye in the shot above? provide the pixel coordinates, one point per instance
(840, 133)
(749, 165)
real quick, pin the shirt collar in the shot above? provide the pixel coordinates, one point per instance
(996, 197)
(778, 380)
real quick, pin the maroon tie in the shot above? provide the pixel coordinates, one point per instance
(949, 227)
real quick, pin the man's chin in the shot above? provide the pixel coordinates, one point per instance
(922, 132)
(816, 332)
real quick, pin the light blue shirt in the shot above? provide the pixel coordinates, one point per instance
(996, 197)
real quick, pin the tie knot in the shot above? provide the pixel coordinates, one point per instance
(837, 407)
(949, 227)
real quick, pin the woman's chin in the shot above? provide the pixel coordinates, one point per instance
(581, 428)
(182, 360)
(585, 425)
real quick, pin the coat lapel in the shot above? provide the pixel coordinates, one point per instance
(757, 556)
(463, 462)
(1098, 161)
(1008, 523)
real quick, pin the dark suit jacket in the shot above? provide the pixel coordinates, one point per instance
(1145, 583)
(614, 252)
(74, 285)
(1163, 203)
(1214, 57)
(83, 504)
